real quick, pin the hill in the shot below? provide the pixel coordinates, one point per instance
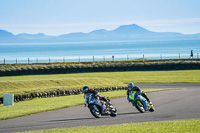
(6, 36)
(131, 32)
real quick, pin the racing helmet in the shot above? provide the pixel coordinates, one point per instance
(130, 85)
(85, 88)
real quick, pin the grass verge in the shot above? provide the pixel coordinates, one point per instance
(41, 83)
(38, 105)
(179, 126)
(179, 76)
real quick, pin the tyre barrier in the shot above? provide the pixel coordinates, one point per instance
(58, 93)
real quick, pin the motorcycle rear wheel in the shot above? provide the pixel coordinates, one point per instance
(139, 106)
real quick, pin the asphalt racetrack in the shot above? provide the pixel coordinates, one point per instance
(170, 105)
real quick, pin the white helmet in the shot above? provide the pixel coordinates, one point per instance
(130, 85)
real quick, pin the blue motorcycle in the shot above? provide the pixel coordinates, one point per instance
(140, 102)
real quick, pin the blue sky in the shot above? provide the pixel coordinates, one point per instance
(56, 17)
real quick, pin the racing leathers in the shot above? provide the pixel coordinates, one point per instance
(139, 91)
(95, 95)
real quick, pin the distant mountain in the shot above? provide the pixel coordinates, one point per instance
(125, 32)
(6, 36)
(131, 30)
(74, 35)
(99, 32)
(32, 36)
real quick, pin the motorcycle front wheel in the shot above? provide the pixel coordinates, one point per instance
(95, 111)
(113, 112)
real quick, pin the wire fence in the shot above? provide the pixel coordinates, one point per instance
(30, 60)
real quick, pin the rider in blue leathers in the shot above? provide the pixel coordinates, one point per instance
(96, 95)
(86, 90)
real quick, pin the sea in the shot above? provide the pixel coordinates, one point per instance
(11, 53)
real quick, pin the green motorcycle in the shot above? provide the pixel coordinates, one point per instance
(140, 102)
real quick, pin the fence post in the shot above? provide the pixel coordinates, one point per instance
(93, 58)
(179, 55)
(28, 61)
(143, 57)
(4, 61)
(113, 58)
(49, 60)
(16, 60)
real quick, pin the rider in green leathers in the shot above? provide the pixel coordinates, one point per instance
(132, 87)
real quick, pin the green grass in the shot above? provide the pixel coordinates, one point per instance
(38, 105)
(179, 126)
(183, 76)
(41, 83)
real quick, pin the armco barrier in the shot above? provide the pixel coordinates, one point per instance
(57, 93)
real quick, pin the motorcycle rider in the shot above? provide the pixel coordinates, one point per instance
(96, 95)
(132, 87)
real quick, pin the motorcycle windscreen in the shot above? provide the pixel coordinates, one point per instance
(133, 95)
